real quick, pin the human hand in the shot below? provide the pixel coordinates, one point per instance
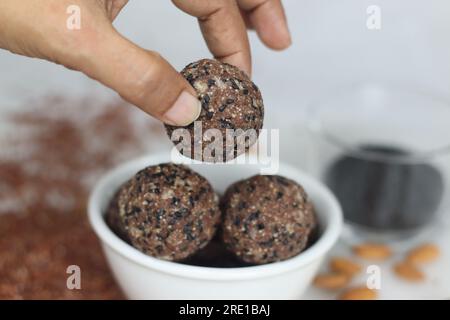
(142, 77)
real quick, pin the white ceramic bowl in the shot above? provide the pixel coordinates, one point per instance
(145, 277)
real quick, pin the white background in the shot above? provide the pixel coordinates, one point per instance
(331, 47)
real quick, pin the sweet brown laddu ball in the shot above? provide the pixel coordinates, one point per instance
(230, 100)
(267, 219)
(113, 217)
(167, 211)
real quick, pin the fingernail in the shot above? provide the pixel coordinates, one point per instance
(184, 111)
(289, 43)
(286, 35)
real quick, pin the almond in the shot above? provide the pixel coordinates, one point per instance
(425, 253)
(372, 251)
(359, 293)
(331, 281)
(345, 266)
(409, 272)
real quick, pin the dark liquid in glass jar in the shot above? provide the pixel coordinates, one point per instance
(385, 196)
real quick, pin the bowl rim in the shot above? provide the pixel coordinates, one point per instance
(317, 127)
(327, 239)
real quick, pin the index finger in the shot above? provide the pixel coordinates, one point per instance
(223, 29)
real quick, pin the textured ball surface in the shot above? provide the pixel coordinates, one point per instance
(230, 100)
(113, 219)
(267, 219)
(168, 211)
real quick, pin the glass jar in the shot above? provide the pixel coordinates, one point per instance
(385, 153)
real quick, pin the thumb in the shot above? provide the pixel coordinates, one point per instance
(143, 78)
